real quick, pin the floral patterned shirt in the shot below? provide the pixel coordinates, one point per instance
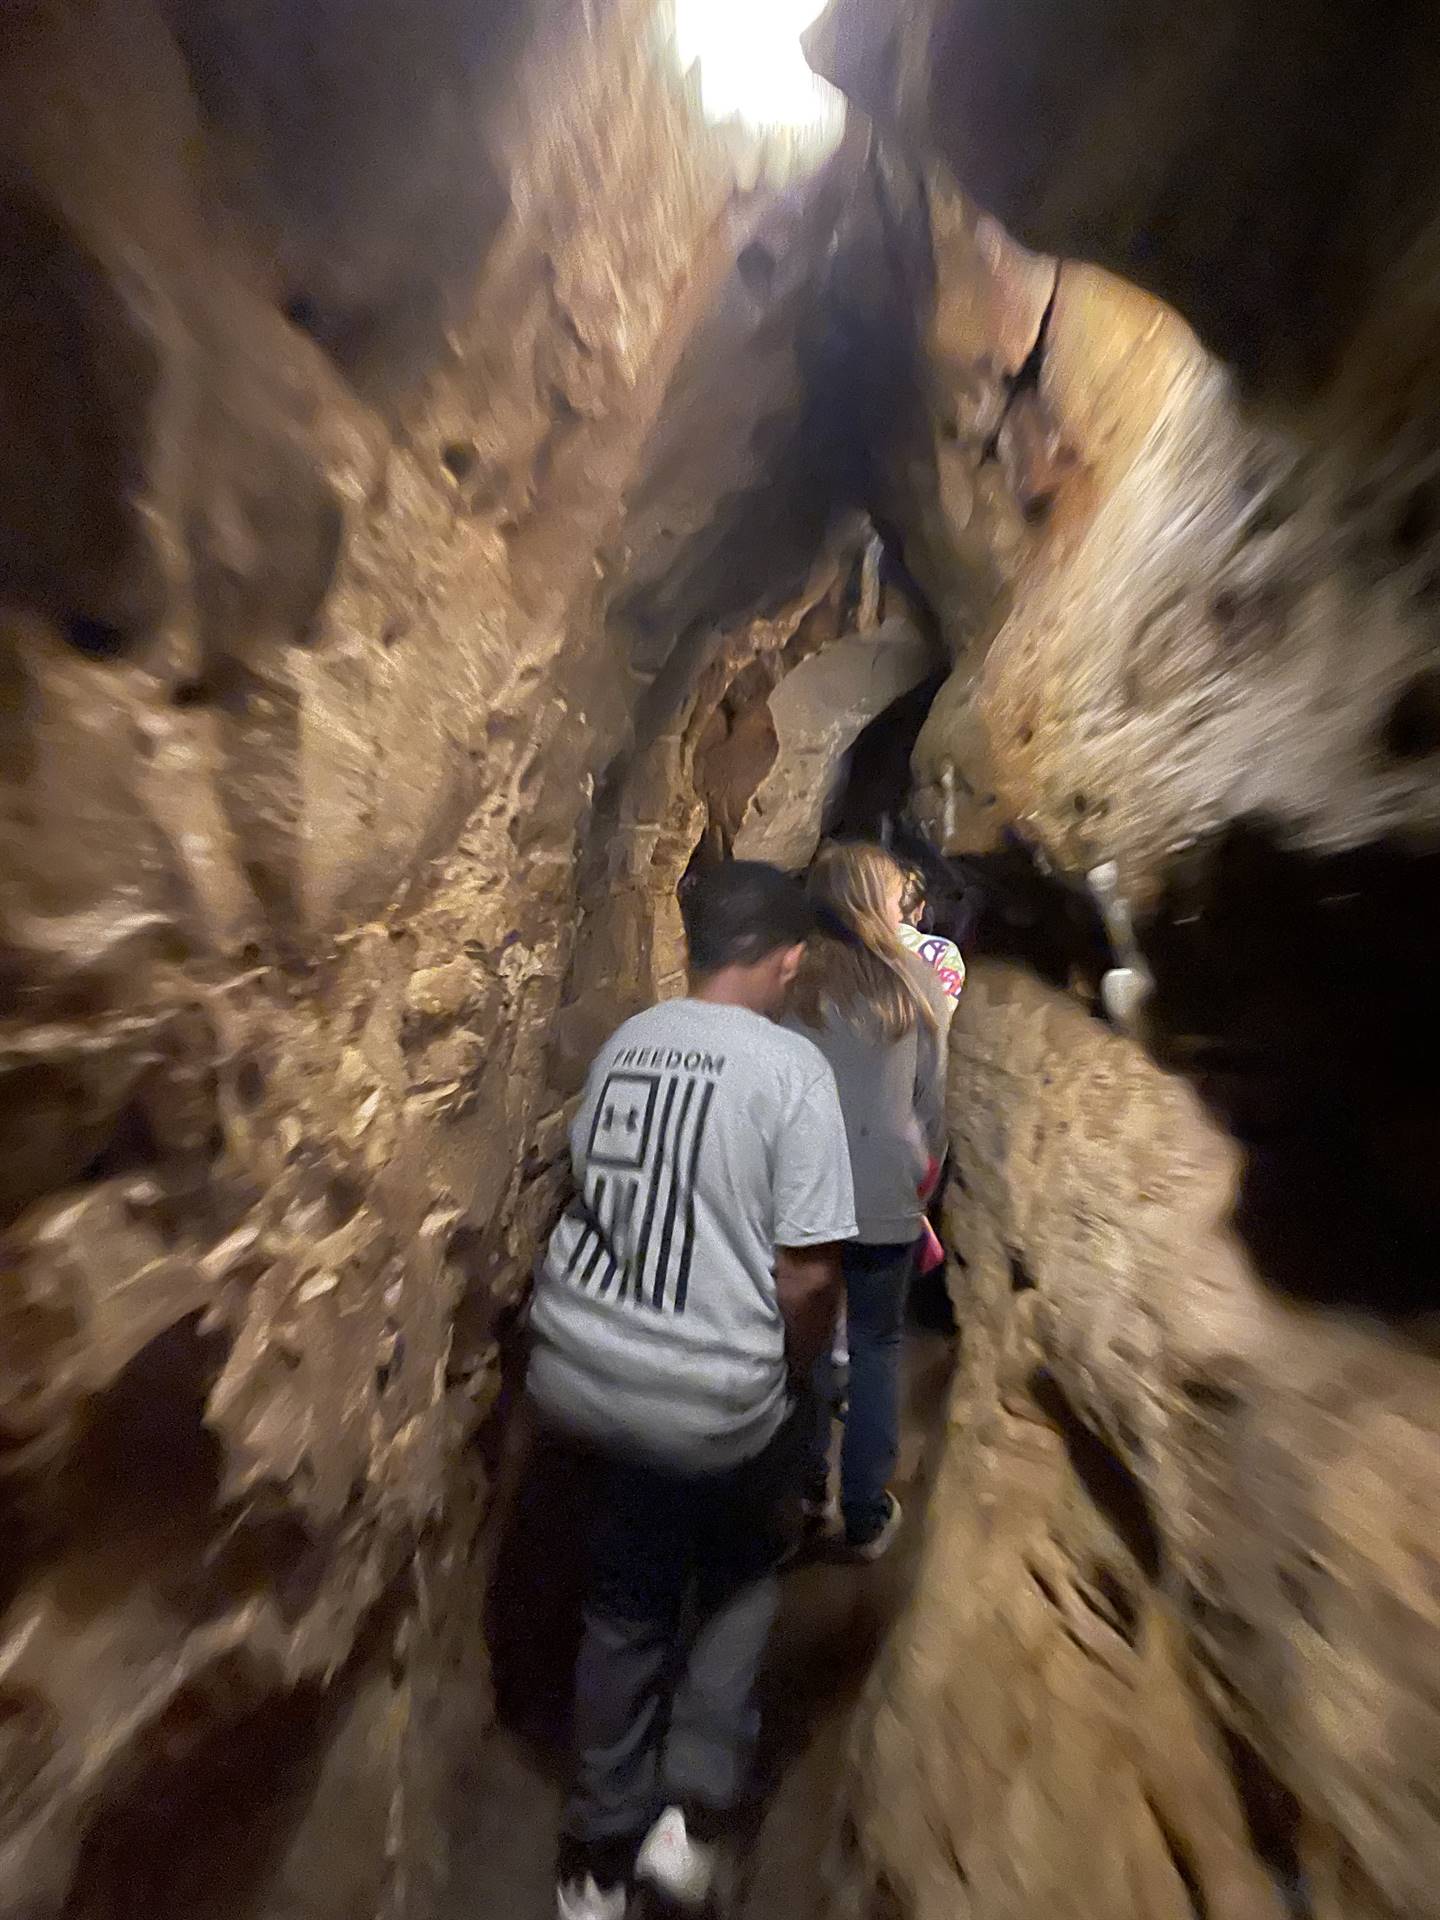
(941, 954)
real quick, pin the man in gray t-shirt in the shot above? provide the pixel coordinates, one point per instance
(694, 1277)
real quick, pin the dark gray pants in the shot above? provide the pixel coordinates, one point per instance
(681, 1596)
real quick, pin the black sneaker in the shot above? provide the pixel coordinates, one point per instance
(819, 1524)
(586, 1900)
(875, 1540)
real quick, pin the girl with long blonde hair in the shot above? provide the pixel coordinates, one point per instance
(877, 1014)
(858, 966)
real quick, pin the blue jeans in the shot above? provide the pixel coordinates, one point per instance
(877, 1281)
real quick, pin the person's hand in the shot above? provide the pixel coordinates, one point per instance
(927, 1185)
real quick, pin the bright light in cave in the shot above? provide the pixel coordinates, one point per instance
(752, 67)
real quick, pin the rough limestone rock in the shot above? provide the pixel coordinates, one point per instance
(423, 465)
(818, 711)
(680, 797)
(1173, 1644)
(1176, 1548)
(969, 467)
(340, 350)
(1330, 335)
(1261, 170)
(1212, 663)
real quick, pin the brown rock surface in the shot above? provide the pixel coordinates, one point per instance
(818, 711)
(1196, 579)
(1174, 1645)
(683, 791)
(1175, 1636)
(422, 466)
(1261, 169)
(344, 358)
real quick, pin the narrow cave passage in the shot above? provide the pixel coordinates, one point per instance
(468, 464)
(813, 743)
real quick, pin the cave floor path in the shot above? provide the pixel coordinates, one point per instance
(833, 1621)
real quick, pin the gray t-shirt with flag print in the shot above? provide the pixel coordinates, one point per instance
(707, 1137)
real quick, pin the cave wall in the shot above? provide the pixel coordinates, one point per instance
(661, 805)
(1172, 1649)
(422, 463)
(818, 713)
(1173, 1646)
(345, 381)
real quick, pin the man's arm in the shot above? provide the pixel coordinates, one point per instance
(809, 1284)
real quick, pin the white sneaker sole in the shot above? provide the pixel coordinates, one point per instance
(677, 1867)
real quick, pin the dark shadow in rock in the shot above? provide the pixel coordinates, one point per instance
(139, 1488)
(1182, 1861)
(930, 1304)
(876, 783)
(537, 1584)
(1296, 992)
(355, 142)
(1111, 1485)
(80, 378)
(206, 1823)
(1273, 1819)
(1004, 906)
(136, 1500)
(209, 1810)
